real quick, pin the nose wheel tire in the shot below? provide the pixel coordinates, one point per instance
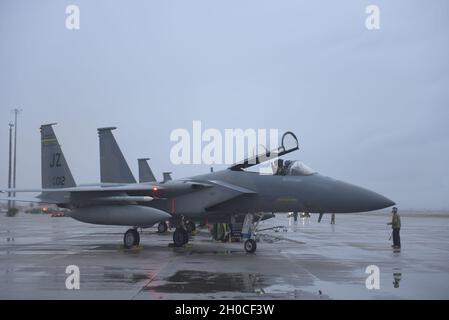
(250, 246)
(162, 227)
(131, 238)
(180, 237)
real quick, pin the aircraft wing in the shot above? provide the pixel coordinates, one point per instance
(28, 199)
(206, 199)
(165, 190)
(130, 187)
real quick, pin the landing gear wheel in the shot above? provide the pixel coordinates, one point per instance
(131, 238)
(190, 226)
(180, 237)
(162, 227)
(250, 246)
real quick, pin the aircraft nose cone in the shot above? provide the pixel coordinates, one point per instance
(352, 198)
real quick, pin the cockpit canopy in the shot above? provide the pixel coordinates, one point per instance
(293, 168)
(298, 168)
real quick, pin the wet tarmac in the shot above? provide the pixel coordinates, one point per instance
(309, 260)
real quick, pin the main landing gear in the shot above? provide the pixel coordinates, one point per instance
(183, 229)
(131, 238)
(249, 231)
(180, 237)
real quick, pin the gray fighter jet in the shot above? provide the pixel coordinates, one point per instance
(221, 196)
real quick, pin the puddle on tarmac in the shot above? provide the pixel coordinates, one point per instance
(248, 284)
(125, 275)
(191, 281)
(216, 252)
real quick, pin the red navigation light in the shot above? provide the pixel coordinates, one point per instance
(155, 189)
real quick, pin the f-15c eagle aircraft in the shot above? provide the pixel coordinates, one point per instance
(221, 196)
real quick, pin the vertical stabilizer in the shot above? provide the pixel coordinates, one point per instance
(55, 171)
(166, 176)
(145, 172)
(113, 166)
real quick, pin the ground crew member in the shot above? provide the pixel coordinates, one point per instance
(396, 226)
(295, 216)
(397, 278)
(333, 218)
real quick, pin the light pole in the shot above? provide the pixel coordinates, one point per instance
(16, 112)
(10, 164)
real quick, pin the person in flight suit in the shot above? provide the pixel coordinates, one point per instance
(396, 226)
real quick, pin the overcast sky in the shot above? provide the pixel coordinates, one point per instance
(369, 107)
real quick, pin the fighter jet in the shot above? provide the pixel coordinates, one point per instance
(213, 197)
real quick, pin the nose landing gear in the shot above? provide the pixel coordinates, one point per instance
(250, 245)
(249, 231)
